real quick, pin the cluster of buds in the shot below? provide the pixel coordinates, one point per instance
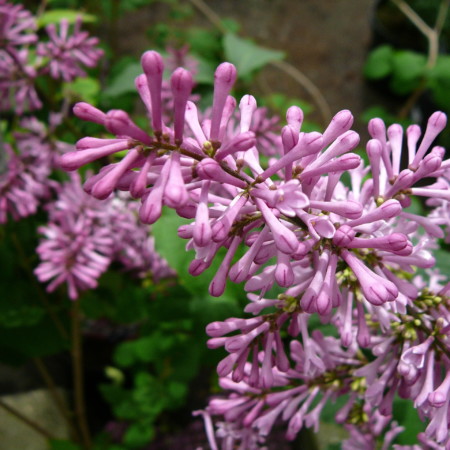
(329, 232)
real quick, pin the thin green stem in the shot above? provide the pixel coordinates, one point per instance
(59, 401)
(78, 379)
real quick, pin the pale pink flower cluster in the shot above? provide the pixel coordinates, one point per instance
(345, 251)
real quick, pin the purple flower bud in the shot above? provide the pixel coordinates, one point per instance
(75, 160)
(284, 274)
(416, 355)
(344, 235)
(294, 117)
(209, 169)
(349, 209)
(377, 130)
(285, 240)
(374, 150)
(191, 117)
(218, 283)
(308, 144)
(153, 66)
(389, 209)
(413, 133)
(175, 193)
(119, 123)
(436, 123)
(404, 181)
(238, 343)
(85, 111)
(240, 143)
(151, 208)
(439, 396)
(343, 144)
(376, 289)
(339, 124)
(181, 83)
(247, 106)
(395, 135)
(104, 187)
(224, 78)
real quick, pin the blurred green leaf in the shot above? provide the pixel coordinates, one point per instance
(205, 73)
(40, 339)
(138, 434)
(246, 55)
(379, 62)
(438, 80)
(123, 82)
(82, 89)
(124, 355)
(408, 69)
(59, 444)
(56, 15)
(442, 259)
(204, 43)
(406, 415)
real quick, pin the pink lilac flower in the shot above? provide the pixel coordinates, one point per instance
(17, 26)
(85, 235)
(346, 251)
(17, 78)
(69, 50)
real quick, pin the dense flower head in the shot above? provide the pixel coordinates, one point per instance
(23, 59)
(17, 25)
(69, 50)
(331, 235)
(84, 236)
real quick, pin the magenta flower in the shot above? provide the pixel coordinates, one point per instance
(68, 51)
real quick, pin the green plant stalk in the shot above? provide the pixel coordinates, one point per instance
(432, 35)
(78, 381)
(59, 402)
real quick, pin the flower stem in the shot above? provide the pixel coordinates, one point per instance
(77, 367)
(59, 402)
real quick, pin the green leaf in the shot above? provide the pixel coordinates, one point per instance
(137, 435)
(41, 339)
(82, 89)
(442, 259)
(408, 69)
(407, 416)
(438, 80)
(379, 62)
(124, 355)
(205, 71)
(12, 316)
(203, 42)
(123, 83)
(56, 15)
(60, 444)
(246, 55)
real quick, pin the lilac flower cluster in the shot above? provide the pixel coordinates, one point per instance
(84, 236)
(25, 182)
(346, 251)
(23, 58)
